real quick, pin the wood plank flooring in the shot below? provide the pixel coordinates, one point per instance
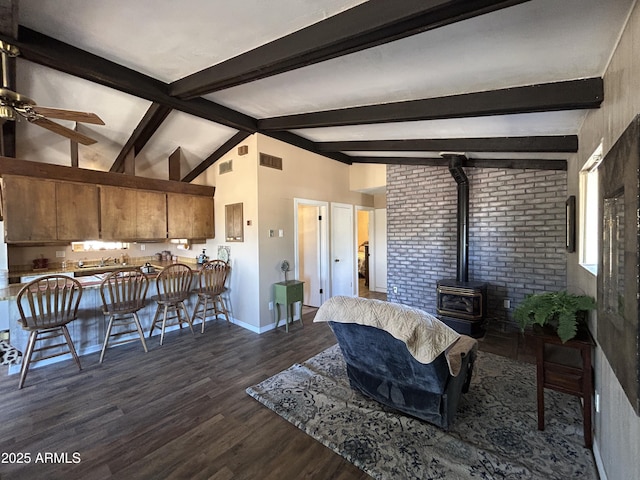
(179, 411)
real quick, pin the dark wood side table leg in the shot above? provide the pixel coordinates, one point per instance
(540, 381)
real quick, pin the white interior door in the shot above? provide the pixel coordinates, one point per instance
(343, 268)
(311, 247)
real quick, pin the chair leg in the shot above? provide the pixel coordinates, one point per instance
(71, 347)
(26, 360)
(195, 315)
(186, 314)
(155, 319)
(140, 332)
(106, 338)
(223, 308)
(204, 312)
(164, 323)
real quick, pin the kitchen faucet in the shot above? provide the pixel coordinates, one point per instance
(104, 260)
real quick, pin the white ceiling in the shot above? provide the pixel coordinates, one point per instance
(536, 42)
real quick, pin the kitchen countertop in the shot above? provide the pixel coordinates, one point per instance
(90, 275)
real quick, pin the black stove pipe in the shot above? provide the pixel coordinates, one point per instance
(455, 168)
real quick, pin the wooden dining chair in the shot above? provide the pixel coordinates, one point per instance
(123, 294)
(174, 287)
(46, 305)
(212, 278)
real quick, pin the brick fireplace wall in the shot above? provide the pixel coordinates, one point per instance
(516, 233)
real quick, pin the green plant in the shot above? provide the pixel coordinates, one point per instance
(561, 310)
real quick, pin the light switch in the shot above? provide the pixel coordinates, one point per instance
(281, 233)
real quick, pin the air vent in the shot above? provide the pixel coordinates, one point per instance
(270, 161)
(225, 167)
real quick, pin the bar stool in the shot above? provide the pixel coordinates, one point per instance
(46, 305)
(123, 294)
(174, 287)
(212, 277)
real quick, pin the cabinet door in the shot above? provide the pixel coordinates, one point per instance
(77, 211)
(29, 212)
(151, 214)
(234, 222)
(179, 215)
(117, 213)
(203, 222)
(189, 216)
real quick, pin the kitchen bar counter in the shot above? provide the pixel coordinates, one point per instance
(89, 329)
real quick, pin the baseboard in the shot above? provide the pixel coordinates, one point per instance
(598, 459)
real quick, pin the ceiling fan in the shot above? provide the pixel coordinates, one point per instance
(13, 105)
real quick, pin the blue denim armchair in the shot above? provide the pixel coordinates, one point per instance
(381, 367)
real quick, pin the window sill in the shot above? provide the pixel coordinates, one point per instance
(591, 268)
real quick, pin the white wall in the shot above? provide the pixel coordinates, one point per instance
(238, 186)
(617, 427)
(304, 175)
(380, 216)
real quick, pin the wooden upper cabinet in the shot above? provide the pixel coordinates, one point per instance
(128, 214)
(190, 216)
(28, 212)
(203, 221)
(117, 213)
(151, 215)
(77, 211)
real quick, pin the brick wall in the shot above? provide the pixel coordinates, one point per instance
(516, 233)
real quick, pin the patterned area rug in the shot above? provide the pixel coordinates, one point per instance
(494, 436)
(8, 354)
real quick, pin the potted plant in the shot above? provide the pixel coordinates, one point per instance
(563, 311)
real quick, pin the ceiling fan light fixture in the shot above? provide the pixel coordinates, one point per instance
(7, 113)
(8, 49)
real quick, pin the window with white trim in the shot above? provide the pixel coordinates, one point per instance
(588, 248)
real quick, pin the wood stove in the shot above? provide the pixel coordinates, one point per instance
(459, 303)
(462, 306)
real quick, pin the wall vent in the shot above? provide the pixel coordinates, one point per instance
(270, 161)
(225, 167)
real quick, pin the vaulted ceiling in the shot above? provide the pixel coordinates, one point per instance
(506, 82)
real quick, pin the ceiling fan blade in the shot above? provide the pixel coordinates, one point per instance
(64, 131)
(73, 115)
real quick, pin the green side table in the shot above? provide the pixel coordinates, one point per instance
(288, 293)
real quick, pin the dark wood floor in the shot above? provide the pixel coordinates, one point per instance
(179, 411)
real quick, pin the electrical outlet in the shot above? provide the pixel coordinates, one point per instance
(270, 305)
(395, 289)
(60, 253)
(142, 246)
(507, 303)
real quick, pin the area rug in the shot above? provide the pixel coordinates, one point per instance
(8, 354)
(494, 436)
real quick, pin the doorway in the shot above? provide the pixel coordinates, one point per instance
(311, 249)
(365, 250)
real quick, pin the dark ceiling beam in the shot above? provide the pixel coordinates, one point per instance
(44, 50)
(308, 145)
(152, 119)
(215, 156)
(559, 143)
(555, 96)
(366, 25)
(521, 163)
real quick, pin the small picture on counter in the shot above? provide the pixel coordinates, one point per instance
(224, 253)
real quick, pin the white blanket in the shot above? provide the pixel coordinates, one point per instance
(426, 337)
